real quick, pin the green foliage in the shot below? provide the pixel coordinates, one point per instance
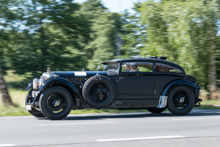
(133, 33)
(104, 27)
(53, 37)
(65, 35)
(184, 31)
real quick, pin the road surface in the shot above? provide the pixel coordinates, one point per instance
(199, 128)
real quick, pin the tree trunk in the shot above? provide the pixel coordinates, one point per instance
(6, 99)
(212, 66)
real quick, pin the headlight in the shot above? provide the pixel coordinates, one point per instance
(41, 81)
(35, 83)
(45, 76)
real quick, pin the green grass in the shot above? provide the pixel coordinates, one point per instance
(207, 107)
(16, 82)
(13, 111)
(210, 102)
(21, 111)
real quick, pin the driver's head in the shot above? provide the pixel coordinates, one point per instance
(128, 66)
(133, 66)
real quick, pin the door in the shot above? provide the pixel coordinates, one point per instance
(136, 78)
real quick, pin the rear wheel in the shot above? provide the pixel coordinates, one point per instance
(56, 103)
(156, 110)
(181, 100)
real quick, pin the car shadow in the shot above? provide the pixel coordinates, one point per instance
(194, 113)
(100, 116)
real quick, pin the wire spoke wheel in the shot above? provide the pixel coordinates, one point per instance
(56, 103)
(181, 100)
(99, 92)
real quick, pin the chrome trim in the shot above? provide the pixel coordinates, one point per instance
(56, 103)
(41, 81)
(35, 93)
(162, 102)
(47, 75)
(182, 99)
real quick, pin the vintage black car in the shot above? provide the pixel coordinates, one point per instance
(138, 83)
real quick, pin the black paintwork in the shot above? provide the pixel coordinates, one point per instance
(129, 87)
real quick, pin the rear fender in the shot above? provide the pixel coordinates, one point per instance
(164, 93)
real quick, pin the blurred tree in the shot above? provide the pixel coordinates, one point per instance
(7, 29)
(104, 27)
(52, 34)
(133, 32)
(6, 99)
(185, 32)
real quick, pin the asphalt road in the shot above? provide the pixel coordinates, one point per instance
(199, 128)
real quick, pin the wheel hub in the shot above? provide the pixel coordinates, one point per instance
(180, 99)
(99, 92)
(55, 102)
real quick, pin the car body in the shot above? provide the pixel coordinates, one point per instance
(137, 83)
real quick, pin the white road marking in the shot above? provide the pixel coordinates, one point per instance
(139, 138)
(203, 118)
(5, 145)
(80, 123)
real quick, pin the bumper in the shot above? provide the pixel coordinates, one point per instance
(30, 99)
(28, 106)
(198, 100)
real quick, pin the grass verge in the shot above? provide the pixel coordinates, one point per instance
(13, 111)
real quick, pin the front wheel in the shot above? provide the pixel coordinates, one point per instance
(35, 112)
(56, 103)
(156, 110)
(181, 100)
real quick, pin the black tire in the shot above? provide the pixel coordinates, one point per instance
(98, 91)
(35, 112)
(174, 103)
(156, 110)
(48, 103)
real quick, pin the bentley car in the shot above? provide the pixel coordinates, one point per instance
(153, 83)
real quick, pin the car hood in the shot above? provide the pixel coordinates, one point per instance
(83, 74)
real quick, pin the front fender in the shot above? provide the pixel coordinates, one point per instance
(163, 95)
(61, 81)
(56, 80)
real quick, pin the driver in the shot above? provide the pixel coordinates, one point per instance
(133, 67)
(128, 67)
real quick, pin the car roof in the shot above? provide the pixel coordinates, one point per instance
(150, 59)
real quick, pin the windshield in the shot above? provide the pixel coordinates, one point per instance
(111, 66)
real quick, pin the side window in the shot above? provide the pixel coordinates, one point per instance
(137, 67)
(167, 68)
